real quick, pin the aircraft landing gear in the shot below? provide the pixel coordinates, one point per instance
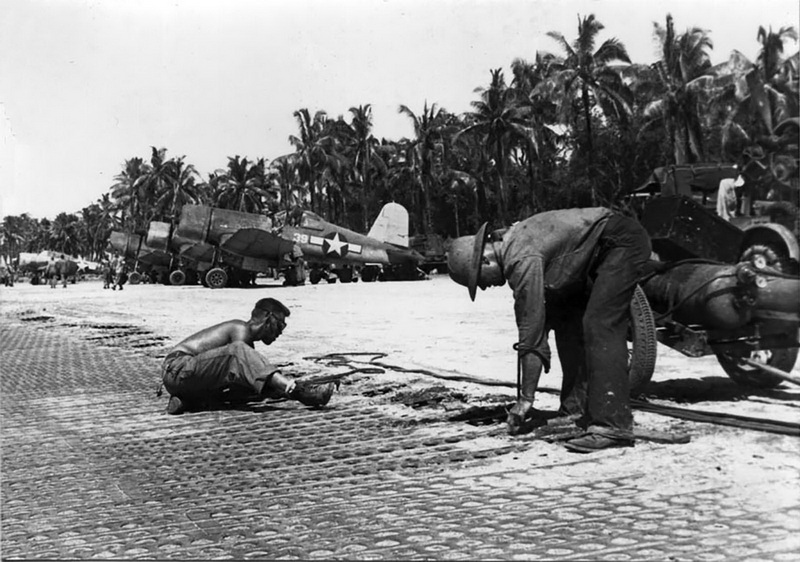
(315, 276)
(345, 274)
(177, 277)
(369, 273)
(216, 278)
(294, 276)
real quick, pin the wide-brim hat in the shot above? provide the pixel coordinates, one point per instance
(464, 260)
(475, 263)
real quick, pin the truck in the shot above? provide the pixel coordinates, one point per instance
(728, 288)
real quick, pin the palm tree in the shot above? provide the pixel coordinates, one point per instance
(336, 174)
(535, 93)
(175, 187)
(129, 193)
(683, 73)
(423, 150)
(500, 120)
(244, 186)
(64, 234)
(587, 79)
(17, 232)
(312, 147)
(758, 96)
(364, 156)
(284, 172)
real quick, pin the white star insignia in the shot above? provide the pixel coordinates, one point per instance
(335, 245)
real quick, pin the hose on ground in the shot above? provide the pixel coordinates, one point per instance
(374, 366)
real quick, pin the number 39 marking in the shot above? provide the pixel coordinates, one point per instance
(300, 238)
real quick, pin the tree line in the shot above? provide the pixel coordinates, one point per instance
(578, 127)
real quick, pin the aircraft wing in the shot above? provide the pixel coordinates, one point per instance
(194, 250)
(257, 243)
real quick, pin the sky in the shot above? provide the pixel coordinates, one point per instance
(86, 85)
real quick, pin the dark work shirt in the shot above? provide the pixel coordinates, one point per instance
(548, 253)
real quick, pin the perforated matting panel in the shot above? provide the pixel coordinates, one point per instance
(92, 467)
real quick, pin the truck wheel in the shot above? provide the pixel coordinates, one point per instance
(644, 344)
(216, 278)
(746, 375)
(135, 278)
(765, 255)
(177, 277)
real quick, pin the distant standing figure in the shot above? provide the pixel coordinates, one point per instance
(122, 276)
(61, 270)
(51, 272)
(726, 197)
(105, 268)
(117, 264)
(10, 275)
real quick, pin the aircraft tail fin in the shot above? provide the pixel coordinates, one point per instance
(391, 226)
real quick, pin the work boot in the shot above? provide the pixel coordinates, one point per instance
(313, 395)
(592, 442)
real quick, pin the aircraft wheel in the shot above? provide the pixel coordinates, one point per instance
(315, 276)
(369, 274)
(216, 278)
(643, 347)
(177, 277)
(135, 278)
(345, 275)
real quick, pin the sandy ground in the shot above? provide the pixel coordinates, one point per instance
(433, 325)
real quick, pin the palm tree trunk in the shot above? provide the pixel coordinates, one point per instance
(589, 144)
(501, 182)
(426, 205)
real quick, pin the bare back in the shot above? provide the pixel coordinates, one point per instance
(216, 336)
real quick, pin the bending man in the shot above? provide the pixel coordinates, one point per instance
(574, 271)
(220, 363)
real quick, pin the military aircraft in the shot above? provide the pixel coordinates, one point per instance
(36, 265)
(229, 247)
(382, 253)
(144, 260)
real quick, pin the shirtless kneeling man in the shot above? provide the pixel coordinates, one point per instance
(221, 361)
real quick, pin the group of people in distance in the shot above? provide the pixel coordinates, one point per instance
(114, 271)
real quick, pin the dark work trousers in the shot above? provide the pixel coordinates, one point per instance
(236, 368)
(591, 332)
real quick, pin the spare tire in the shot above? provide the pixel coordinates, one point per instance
(643, 350)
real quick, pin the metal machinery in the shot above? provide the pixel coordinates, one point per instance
(711, 296)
